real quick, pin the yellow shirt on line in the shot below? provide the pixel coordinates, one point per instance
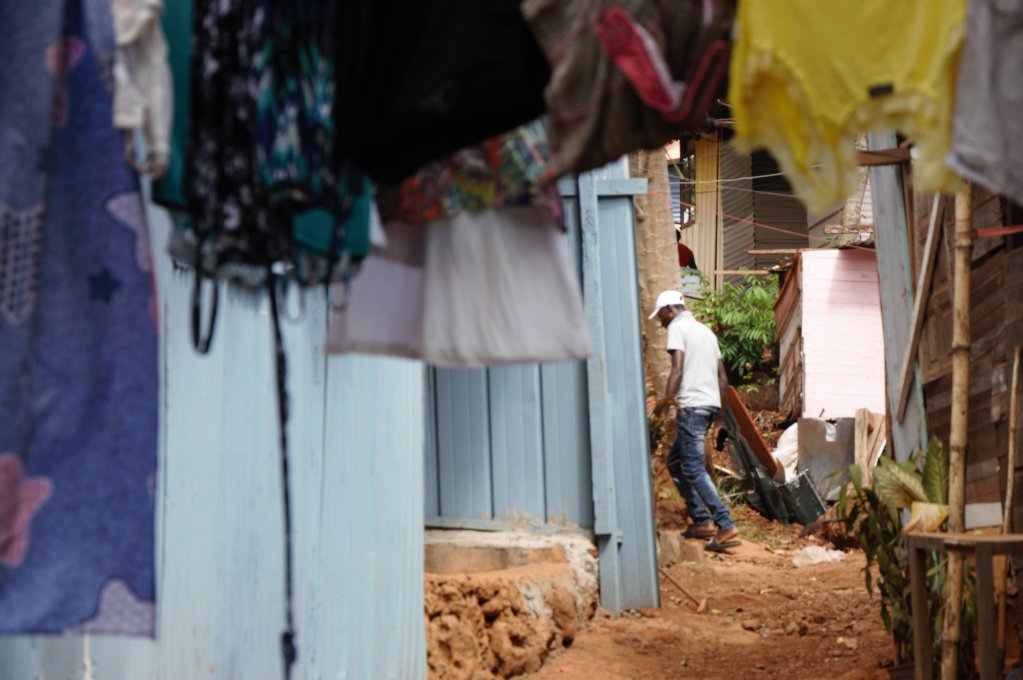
(807, 76)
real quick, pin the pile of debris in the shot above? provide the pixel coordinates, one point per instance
(793, 481)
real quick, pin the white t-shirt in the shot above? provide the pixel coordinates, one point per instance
(700, 370)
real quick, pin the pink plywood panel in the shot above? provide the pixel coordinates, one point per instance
(840, 274)
(827, 344)
(839, 308)
(867, 291)
(849, 292)
(842, 384)
(817, 265)
(837, 408)
(843, 344)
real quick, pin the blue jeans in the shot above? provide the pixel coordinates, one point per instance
(685, 465)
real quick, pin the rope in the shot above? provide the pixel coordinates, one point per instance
(761, 225)
(288, 650)
(689, 182)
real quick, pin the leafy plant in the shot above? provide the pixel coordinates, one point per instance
(658, 427)
(742, 316)
(874, 515)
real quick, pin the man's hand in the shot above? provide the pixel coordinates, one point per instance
(662, 405)
(715, 427)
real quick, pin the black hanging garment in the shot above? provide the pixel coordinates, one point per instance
(419, 79)
(263, 183)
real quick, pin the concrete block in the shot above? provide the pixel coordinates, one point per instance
(826, 450)
(692, 551)
(669, 548)
(672, 549)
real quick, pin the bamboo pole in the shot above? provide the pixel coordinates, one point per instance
(1010, 474)
(959, 428)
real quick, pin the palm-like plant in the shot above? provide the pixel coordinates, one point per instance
(874, 512)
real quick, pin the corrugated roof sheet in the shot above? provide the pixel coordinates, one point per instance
(737, 209)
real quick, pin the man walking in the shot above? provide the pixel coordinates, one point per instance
(696, 385)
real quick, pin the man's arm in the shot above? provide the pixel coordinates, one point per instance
(678, 358)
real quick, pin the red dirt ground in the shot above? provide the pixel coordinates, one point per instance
(766, 618)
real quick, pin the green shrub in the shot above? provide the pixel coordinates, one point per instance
(742, 316)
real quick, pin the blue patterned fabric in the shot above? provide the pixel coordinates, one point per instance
(78, 337)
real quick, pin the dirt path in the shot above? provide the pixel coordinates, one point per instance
(766, 618)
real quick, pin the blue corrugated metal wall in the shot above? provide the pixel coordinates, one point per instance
(357, 434)
(510, 440)
(566, 442)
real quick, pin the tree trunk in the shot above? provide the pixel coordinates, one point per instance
(657, 256)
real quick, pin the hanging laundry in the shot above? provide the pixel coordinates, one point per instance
(169, 188)
(808, 76)
(78, 338)
(510, 169)
(447, 75)
(480, 288)
(261, 180)
(266, 197)
(988, 128)
(222, 180)
(629, 75)
(142, 84)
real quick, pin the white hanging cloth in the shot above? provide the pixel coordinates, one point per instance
(481, 288)
(143, 94)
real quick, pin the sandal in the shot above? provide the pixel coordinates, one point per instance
(694, 531)
(723, 542)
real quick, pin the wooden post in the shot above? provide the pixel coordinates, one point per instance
(1010, 479)
(923, 288)
(959, 428)
(986, 614)
(921, 619)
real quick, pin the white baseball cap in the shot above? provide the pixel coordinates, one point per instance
(667, 299)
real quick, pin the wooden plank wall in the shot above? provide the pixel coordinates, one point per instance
(892, 239)
(997, 325)
(788, 319)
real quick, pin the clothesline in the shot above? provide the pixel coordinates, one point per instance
(720, 183)
(675, 201)
(681, 204)
(772, 228)
(762, 192)
(683, 180)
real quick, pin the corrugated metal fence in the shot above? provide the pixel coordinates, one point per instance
(561, 443)
(510, 442)
(565, 443)
(356, 437)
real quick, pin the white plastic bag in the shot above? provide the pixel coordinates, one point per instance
(787, 453)
(817, 554)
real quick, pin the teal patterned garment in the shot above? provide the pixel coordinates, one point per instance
(253, 178)
(326, 203)
(296, 96)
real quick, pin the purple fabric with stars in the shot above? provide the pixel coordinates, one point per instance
(78, 337)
